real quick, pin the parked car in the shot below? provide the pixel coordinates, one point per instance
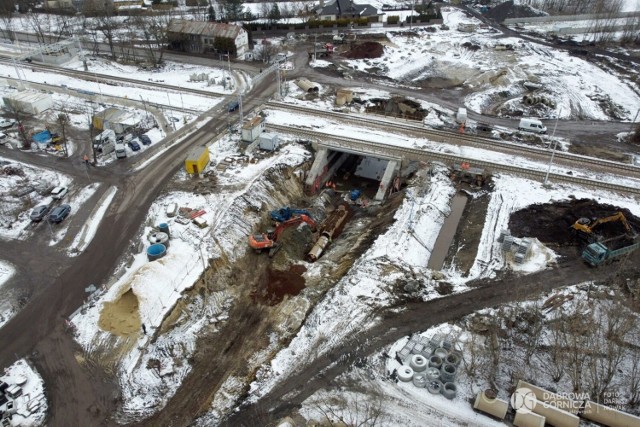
(39, 212)
(121, 152)
(233, 106)
(532, 125)
(134, 145)
(59, 192)
(145, 140)
(127, 138)
(7, 123)
(59, 213)
(3, 135)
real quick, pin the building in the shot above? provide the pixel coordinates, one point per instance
(28, 102)
(197, 160)
(201, 37)
(251, 129)
(269, 141)
(120, 121)
(345, 9)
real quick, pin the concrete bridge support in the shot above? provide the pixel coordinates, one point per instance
(387, 178)
(325, 165)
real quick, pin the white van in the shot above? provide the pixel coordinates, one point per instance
(532, 125)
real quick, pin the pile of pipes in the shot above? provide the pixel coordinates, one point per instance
(433, 364)
(520, 247)
(538, 99)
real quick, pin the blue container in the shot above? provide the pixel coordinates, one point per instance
(156, 251)
(164, 228)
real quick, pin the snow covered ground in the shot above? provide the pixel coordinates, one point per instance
(88, 230)
(151, 289)
(31, 407)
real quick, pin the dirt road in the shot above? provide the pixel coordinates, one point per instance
(414, 317)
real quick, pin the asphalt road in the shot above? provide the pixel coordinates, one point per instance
(77, 396)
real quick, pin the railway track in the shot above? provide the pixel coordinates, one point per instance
(108, 80)
(419, 154)
(533, 153)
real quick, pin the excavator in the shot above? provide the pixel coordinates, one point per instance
(584, 227)
(269, 240)
(284, 214)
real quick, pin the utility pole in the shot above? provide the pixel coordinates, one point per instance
(413, 7)
(240, 109)
(553, 152)
(278, 96)
(315, 45)
(173, 124)
(634, 120)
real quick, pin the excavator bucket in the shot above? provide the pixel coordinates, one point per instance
(274, 250)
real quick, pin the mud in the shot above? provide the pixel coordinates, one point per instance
(447, 232)
(275, 285)
(365, 50)
(464, 247)
(121, 317)
(551, 222)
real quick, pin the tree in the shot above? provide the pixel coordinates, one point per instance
(16, 113)
(224, 45)
(211, 14)
(6, 20)
(232, 9)
(105, 22)
(63, 121)
(274, 13)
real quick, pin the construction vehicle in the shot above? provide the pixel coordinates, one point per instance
(597, 253)
(285, 214)
(584, 227)
(269, 240)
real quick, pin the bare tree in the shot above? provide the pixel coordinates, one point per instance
(39, 24)
(6, 20)
(553, 361)
(634, 379)
(63, 121)
(153, 30)
(105, 23)
(16, 113)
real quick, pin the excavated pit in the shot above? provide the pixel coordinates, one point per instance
(551, 223)
(275, 285)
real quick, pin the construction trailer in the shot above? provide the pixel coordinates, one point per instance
(197, 160)
(29, 102)
(252, 128)
(120, 121)
(269, 141)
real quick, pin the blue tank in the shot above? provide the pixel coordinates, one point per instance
(156, 251)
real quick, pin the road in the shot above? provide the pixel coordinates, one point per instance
(78, 396)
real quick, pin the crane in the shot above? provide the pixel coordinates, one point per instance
(269, 240)
(585, 227)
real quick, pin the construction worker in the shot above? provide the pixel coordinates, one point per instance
(86, 159)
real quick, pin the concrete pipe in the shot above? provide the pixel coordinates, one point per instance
(405, 374)
(432, 374)
(448, 373)
(318, 249)
(452, 359)
(419, 380)
(440, 352)
(529, 101)
(418, 363)
(449, 390)
(435, 362)
(434, 386)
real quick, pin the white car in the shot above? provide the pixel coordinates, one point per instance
(7, 123)
(59, 192)
(3, 136)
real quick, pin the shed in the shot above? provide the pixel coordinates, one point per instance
(251, 129)
(29, 102)
(120, 121)
(197, 160)
(269, 141)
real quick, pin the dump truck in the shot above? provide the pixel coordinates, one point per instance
(597, 253)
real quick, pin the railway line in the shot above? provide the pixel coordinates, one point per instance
(534, 153)
(419, 154)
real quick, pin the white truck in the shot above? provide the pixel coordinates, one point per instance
(461, 115)
(105, 142)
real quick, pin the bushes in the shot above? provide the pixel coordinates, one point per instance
(392, 20)
(312, 23)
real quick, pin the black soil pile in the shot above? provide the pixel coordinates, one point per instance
(365, 50)
(509, 10)
(551, 222)
(275, 285)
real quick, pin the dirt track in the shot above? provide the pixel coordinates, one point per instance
(416, 316)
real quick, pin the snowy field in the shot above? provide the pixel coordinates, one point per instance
(31, 407)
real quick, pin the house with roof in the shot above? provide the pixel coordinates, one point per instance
(345, 9)
(203, 37)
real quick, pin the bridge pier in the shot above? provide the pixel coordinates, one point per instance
(325, 165)
(385, 182)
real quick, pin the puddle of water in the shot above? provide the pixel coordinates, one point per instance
(447, 232)
(275, 285)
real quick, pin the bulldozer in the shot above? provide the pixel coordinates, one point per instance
(584, 228)
(269, 240)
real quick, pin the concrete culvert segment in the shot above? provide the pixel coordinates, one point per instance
(448, 372)
(418, 363)
(419, 380)
(441, 352)
(449, 390)
(122, 316)
(434, 386)
(452, 359)
(405, 374)
(432, 373)
(435, 362)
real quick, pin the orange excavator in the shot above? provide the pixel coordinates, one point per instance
(585, 227)
(269, 240)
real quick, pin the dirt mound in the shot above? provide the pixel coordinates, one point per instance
(121, 317)
(509, 10)
(365, 50)
(551, 222)
(274, 285)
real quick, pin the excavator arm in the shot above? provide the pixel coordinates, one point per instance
(586, 226)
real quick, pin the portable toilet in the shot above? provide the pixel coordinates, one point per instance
(269, 141)
(197, 160)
